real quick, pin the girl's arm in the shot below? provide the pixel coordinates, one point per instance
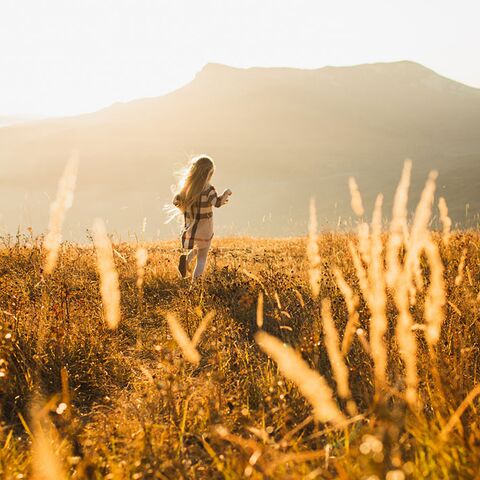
(215, 200)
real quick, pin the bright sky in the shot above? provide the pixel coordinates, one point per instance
(62, 57)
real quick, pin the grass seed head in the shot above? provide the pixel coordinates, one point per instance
(310, 383)
(337, 362)
(181, 337)
(435, 298)
(357, 205)
(260, 310)
(58, 210)
(109, 284)
(141, 256)
(446, 220)
(46, 463)
(313, 251)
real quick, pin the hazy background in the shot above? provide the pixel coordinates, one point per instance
(370, 84)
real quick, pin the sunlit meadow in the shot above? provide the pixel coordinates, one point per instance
(338, 355)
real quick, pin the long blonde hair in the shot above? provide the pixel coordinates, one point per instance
(192, 182)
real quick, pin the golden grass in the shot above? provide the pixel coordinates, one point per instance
(446, 220)
(58, 210)
(313, 251)
(340, 370)
(141, 256)
(312, 385)
(46, 451)
(372, 339)
(145, 402)
(260, 310)
(352, 302)
(357, 204)
(109, 285)
(186, 345)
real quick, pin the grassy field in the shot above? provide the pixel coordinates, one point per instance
(80, 400)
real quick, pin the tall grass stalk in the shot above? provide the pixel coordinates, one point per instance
(310, 383)
(141, 257)
(313, 251)
(46, 462)
(336, 358)
(399, 234)
(352, 302)
(446, 220)
(435, 298)
(109, 284)
(419, 234)
(378, 298)
(58, 210)
(357, 204)
(180, 336)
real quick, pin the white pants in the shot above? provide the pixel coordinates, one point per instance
(201, 254)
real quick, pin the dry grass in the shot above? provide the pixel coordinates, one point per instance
(58, 210)
(109, 285)
(374, 374)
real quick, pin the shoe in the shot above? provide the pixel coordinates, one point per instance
(182, 266)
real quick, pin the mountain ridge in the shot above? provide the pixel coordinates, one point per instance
(278, 136)
(216, 68)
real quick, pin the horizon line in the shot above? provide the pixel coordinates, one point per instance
(42, 116)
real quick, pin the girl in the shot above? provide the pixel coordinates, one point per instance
(195, 200)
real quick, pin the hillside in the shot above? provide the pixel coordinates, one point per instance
(278, 135)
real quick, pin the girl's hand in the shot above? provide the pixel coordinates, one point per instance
(226, 196)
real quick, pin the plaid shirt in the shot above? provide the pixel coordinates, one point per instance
(198, 228)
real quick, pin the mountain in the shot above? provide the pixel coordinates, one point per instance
(278, 136)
